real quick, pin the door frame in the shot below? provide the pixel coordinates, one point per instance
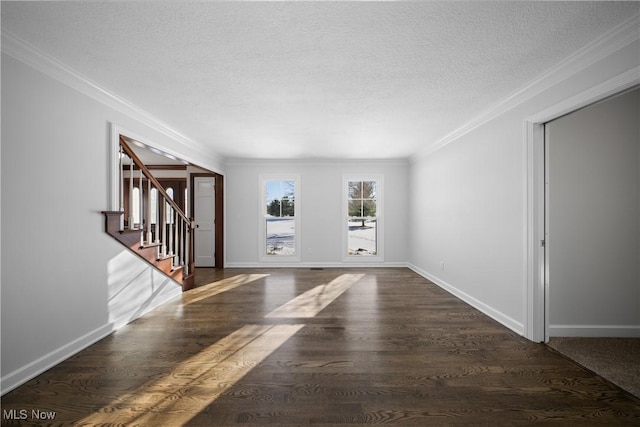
(536, 299)
(218, 212)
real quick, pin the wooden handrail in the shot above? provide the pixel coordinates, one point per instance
(168, 243)
(154, 181)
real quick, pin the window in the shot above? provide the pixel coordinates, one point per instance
(363, 202)
(279, 223)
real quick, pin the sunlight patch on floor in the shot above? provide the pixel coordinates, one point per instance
(215, 288)
(195, 383)
(203, 378)
(312, 302)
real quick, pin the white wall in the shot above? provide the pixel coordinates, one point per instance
(63, 285)
(466, 222)
(320, 209)
(594, 219)
(469, 197)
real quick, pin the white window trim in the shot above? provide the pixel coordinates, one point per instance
(262, 241)
(379, 257)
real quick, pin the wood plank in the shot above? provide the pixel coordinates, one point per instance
(388, 348)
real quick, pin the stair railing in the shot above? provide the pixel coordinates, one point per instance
(174, 231)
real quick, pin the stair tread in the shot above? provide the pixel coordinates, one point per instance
(129, 231)
(150, 245)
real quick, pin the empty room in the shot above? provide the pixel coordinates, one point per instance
(320, 213)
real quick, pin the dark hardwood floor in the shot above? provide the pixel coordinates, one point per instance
(289, 347)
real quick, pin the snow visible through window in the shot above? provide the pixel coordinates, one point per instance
(280, 217)
(362, 220)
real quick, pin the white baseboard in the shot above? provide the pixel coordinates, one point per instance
(31, 370)
(40, 365)
(496, 315)
(594, 331)
(299, 264)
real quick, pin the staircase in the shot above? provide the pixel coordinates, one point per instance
(150, 223)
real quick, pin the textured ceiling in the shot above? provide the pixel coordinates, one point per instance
(365, 80)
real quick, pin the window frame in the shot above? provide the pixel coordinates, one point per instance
(262, 227)
(379, 256)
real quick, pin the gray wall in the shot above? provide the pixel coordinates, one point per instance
(594, 219)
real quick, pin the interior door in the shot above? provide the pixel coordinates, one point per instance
(204, 216)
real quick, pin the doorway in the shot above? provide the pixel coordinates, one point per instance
(592, 220)
(204, 190)
(536, 275)
(207, 198)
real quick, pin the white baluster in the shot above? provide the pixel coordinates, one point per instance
(186, 252)
(183, 229)
(163, 227)
(157, 216)
(121, 189)
(176, 242)
(141, 212)
(131, 196)
(170, 230)
(149, 235)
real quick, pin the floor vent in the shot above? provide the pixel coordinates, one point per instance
(316, 268)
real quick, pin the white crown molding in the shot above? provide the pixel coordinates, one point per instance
(617, 84)
(614, 40)
(51, 67)
(317, 162)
